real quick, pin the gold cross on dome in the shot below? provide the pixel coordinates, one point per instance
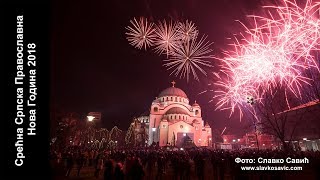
(173, 83)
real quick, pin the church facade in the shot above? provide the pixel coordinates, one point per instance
(172, 120)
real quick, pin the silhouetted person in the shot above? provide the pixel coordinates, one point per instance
(108, 171)
(70, 163)
(80, 162)
(118, 172)
(99, 167)
(200, 167)
(137, 170)
(160, 163)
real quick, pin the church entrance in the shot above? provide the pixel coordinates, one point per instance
(185, 139)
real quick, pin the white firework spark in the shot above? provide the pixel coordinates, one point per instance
(187, 31)
(167, 37)
(189, 57)
(141, 34)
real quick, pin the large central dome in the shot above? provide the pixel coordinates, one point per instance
(173, 91)
(177, 110)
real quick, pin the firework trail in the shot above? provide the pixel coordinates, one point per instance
(167, 37)
(276, 51)
(223, 131)
(141, 34)
(189, 57)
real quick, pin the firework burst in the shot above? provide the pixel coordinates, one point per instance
(141, 34)
(185, 55)
(276, 52)
(187, 31)
(189, 57)
(167, 37)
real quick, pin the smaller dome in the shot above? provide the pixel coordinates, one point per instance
(177, 110)
(195, 104)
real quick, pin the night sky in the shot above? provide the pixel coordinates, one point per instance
(93, 67)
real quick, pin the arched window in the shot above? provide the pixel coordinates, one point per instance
(179, 99)
(176, 99)
(167, 98)
(155, 109)
(175, 117)
(179, 117)
(171, 98)
(197, 112)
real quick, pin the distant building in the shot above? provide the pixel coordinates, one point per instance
(265, 141)
(249, 140)
(141, 129)
(172, 121)
(229, 138)
(304, 122)
(302, 132)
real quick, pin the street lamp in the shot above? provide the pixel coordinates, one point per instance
(90, 118)
(251, 101)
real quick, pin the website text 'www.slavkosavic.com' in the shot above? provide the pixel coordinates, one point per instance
(276, 167)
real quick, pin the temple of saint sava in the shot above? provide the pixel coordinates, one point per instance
(173, 121)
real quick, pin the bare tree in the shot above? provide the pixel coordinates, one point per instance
(274, 117)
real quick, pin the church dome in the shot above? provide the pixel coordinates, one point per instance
(177, 110)
(173, 91)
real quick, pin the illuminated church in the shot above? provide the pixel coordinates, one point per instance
(173, 121)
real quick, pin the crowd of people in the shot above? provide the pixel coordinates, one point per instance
(197, 163)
